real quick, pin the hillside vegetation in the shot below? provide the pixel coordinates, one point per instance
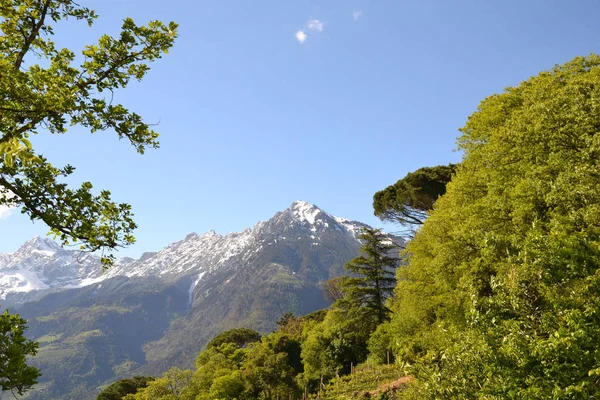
(500, 297)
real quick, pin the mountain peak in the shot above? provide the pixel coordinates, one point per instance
(301, 203)
(304, 211)
(41, 244)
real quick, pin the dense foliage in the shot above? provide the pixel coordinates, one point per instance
(123, 387)
(500, 298)
(240, 336)
(263, 369)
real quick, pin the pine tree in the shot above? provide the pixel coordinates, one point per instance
(409, 201)
(376, 280)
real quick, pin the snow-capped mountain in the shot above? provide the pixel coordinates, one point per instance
(41, 263)
(209, 251)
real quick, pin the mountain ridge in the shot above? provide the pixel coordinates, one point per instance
(42, 263)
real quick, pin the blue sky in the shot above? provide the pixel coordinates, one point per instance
(251, 118)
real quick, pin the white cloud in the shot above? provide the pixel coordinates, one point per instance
(312, 25)
(356, 15)
(315, 25)
(301, 36)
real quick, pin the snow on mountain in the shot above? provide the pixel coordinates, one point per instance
(304, 211)
(42, 263)
(316, 218)
(210, 251)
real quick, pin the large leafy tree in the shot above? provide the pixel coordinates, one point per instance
(173, 385)
(240, 336)
(501, 298)
(123, 387)
(45, 88)
(268, 370)
(261, 370)
(332, 346)
(408, 201)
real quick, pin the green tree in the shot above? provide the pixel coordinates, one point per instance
(15, 375)
(268, 370)
(240, 336)
(501, 295)
(374, 276)
(333, 289)
(123, 387)
(331, 347)
(263, 369)
(216, 367)
(380, 345)
(42, 89)
(408, 201)
(173, 385)
(54, 94)
(229, 386)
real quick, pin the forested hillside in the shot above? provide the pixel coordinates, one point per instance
(500, 295)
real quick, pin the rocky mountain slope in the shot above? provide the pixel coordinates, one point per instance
(146, 315)
(42, 264)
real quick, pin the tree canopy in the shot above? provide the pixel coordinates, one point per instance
(123, 387)
(240, 336)
(408, 201)
(47, 89)
(500, 297)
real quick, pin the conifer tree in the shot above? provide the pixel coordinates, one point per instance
(375, 276)
(409, 201)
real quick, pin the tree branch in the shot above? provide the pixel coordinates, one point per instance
(32, 35)
(34, 210)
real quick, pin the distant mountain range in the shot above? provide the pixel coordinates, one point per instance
(144, 316)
